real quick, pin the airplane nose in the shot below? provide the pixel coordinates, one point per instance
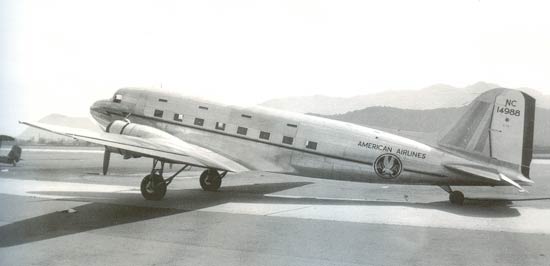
(100, 106)
(105, 109)
(100, 113)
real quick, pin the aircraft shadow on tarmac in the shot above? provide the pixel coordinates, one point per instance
(193, 199)
(110, 209)
(87, 217)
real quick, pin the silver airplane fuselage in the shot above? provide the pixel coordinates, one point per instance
(270, 140)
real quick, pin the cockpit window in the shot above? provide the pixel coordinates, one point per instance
(117, 98)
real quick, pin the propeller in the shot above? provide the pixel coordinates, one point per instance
(106, 159)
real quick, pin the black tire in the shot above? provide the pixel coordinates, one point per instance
(153, 187)
(456, 197)
(211, 183)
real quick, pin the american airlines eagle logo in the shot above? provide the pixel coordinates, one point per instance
(388, 166)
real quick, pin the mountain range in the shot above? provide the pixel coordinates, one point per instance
(436, 96)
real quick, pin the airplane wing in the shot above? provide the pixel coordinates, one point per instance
(167, 148)
(488, 173)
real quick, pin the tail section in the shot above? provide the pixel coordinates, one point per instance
(498, 125)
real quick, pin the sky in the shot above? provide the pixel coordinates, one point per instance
(61, 56)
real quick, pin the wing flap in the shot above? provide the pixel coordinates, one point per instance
(171, 149)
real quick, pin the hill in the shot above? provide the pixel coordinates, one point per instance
(433, 97)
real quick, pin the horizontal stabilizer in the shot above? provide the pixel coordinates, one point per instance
(488, 173)
(475, 170)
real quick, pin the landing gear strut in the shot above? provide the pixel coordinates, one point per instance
(153, 185)
(455, 197)
(211, 180)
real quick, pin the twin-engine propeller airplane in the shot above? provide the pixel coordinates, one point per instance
(490, 145)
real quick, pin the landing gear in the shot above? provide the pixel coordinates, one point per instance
(211, 180)
(455, 197)
(153, 186)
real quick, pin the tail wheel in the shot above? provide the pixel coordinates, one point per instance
(153, 187)
(456, 197)
(210, 180)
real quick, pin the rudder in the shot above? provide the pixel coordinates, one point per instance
(512, 129)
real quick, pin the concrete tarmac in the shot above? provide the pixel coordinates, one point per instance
(56, 209)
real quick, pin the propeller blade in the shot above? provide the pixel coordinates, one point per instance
(106, 159)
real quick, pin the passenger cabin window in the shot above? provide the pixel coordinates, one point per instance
(178, 117)
(242, 130)
(199, 122)
(220, 126)
(117, 98)
(163, 100)
(292, 125)
(288, 140)
(158, 113)
(264, 135)
(246, 116)
(312, 145)
(203, 107)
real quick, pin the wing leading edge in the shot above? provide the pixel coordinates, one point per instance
(169, 149)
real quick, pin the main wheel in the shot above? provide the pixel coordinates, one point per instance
(210, 180)
(153, 187)
(456, 197)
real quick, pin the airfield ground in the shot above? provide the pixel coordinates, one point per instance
(55, 209)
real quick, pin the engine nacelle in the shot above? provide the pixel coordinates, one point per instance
(127, 128)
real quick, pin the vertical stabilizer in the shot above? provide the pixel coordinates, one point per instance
(498, 125)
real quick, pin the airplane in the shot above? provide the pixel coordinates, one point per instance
(490, 145)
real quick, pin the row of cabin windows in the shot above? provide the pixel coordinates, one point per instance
(240, 130)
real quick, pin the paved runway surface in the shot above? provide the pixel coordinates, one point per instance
(57, 210)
